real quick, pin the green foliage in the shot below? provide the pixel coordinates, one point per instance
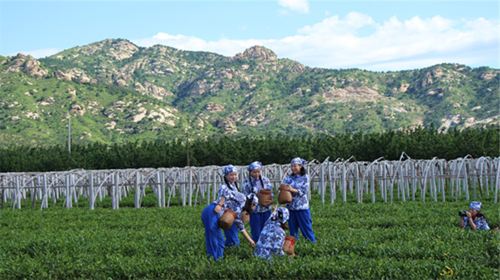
(408, 240)
(272, 148)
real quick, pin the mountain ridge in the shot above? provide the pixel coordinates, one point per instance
(115, 91)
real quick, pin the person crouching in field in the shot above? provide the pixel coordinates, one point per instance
(229, 198)
(255, 184)
(272, 237)
(300, 214)
(473, 218)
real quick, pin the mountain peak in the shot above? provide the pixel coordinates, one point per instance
(112, 43)
(117, 49)
(258, 53)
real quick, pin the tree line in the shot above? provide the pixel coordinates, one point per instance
(419, 143)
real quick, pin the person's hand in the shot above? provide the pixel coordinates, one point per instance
(469, 215)
(218, 208)
(292, 190)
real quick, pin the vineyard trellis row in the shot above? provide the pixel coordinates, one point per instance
(403, 180)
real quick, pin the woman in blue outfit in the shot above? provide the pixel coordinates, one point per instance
(272, 238)
(254, 184)
(473, 219)
(229, 198)
(300, 214)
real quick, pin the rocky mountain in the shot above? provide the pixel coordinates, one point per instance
(116, 91)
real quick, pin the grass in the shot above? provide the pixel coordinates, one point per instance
(409, 240)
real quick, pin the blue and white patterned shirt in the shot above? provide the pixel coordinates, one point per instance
(252, 185)
(270, 241)
(481, 223)
(300, 201)
(234, 200)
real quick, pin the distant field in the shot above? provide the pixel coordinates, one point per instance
(408, 240)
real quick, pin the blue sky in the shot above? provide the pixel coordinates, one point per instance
(375, 35)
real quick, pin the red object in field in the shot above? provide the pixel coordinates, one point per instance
(227, 219)
(289, 245)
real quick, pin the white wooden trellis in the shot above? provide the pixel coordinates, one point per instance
(434, 179)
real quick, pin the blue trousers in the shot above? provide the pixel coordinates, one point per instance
(232, 236)
(257, 221)
(301, 219)
(213, 235)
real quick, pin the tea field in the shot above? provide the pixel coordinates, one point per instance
(410, 240)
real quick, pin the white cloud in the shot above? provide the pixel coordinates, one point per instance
(301, 6)
(40, 53)
(357, 40)
(223, 46)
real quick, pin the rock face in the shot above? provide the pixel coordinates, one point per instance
(71, 92)
(77, 109)
(201, 87)
(404, 87)
(122, 49)
(214, 107)
(228, 125)
(359, 94)
(141, 114)
(28, 65)
(116, 49)
(257, 53)
(75, 75)
(47, 101)
(163, 116)
(489, 75)
(152, 90)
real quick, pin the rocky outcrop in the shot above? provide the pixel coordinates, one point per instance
(202, 86)
(214, 107)
(489, 75)
(141, 114)
(32, 115)
(71, 92)
(152, 90)
(77, 109)
(358, 94)
(163, 116)
(75, 75)
(118, 49)
(228, 125)
(122, 49)
(47, 101)
(403, 87)
(28, 65)
(257, 53)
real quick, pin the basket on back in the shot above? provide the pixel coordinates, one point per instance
(227, 219)
(285, 196)
(265, 197)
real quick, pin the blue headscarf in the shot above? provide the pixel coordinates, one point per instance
(281, 215)
(476, 205)
(254, 165)
(229, 169)
(298, 161)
